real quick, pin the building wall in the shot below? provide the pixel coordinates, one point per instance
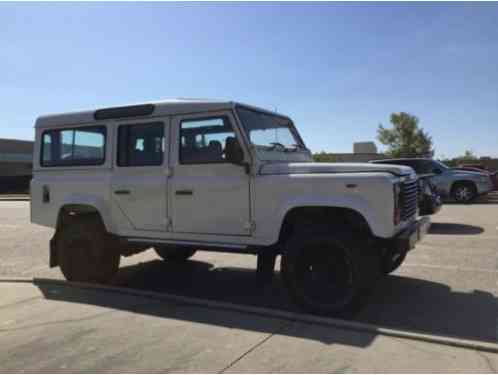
(15, 146)
(15, 165)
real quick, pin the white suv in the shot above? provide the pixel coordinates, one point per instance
(188, 175)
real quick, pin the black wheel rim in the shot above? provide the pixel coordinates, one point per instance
(325, 278)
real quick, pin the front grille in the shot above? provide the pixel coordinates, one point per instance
(409, 199)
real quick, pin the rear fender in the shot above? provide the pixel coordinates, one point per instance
(87, 203)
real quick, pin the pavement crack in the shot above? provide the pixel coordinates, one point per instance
(254, 347)
(20, 302)
(55, 322)
(411, 345)
(63, 321)
(488, 361)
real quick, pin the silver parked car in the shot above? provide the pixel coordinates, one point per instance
(462, 186)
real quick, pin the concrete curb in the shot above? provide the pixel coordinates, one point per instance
(7, 198)
(15, 279)
(285, 315)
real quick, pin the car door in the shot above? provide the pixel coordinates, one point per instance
(208, 194)
(441, 178)
(139, 181)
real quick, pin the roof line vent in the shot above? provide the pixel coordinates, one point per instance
(123, 112)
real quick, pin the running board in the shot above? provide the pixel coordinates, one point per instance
(201, 245)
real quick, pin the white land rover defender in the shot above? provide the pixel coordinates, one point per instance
(188, 175)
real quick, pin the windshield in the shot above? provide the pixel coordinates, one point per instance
(273, 137)
(440, 164)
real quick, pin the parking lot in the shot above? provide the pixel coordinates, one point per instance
(447, 286)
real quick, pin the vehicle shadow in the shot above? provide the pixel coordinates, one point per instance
(399, 302)
(455, 229)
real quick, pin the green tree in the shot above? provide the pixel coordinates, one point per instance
(467, 157)
(405, 139)
(323, 157)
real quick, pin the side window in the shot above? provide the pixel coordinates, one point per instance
(425, 167)
(205, 140)
(420, 166)
(414, 164)
(47, 148)
(73, 147)
(141, 144)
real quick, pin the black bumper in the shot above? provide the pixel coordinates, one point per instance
(406, 240)
(430, 205)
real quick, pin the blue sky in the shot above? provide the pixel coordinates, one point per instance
(337, 69)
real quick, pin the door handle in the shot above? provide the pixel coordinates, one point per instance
(184, 192)
(122, 192)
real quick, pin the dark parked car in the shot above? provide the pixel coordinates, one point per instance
(460, 185)
(481, 169)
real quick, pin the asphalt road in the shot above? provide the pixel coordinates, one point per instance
(447, 286)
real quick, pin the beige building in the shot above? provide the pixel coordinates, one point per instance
(15, 165)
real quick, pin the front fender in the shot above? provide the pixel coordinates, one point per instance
(353, 202)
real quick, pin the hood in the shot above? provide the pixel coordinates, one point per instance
(464, 172)
(310, 168)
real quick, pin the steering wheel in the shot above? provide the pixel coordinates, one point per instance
(275, 144)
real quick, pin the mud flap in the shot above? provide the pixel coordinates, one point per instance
(266, 266)
(53, 253)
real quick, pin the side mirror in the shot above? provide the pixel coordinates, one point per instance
(234, 153)
(437, 171)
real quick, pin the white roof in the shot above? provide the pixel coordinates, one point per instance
(161, 108)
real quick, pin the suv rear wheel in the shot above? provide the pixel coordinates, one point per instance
(85, 251)
(174, 253)
(463, 192)
(329, 274)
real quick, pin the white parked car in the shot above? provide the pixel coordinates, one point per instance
(188, 175)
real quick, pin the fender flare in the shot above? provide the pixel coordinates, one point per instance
(91, 203)
(355, 203)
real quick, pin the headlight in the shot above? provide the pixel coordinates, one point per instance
(484, 179)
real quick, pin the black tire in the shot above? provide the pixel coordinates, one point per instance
(85, 251)
(174, 253)
(348, 267)
(463, 192)
(392, 261)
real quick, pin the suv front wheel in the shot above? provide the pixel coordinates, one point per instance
(327, 273)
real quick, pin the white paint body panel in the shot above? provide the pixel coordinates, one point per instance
(228, 206)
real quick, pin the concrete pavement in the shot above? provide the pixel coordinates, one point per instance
(54, 327)
(446, 287)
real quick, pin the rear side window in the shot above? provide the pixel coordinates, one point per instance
(141, 144)
(73, 147)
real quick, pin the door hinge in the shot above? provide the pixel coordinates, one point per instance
(250, 226)
(169, 224)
